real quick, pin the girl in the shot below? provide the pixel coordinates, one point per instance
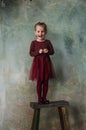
(41, 69)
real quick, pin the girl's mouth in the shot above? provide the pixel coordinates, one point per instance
(39, 36)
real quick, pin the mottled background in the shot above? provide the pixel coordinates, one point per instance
(66, 20)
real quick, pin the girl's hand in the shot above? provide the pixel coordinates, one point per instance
(45, 50)
(41, 51)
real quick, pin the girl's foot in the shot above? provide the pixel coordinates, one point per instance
(46, 102)
(40, 102)
(43, 101)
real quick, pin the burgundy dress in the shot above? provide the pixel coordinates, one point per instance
(42, 68)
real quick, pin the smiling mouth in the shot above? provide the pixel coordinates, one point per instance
(39, 36)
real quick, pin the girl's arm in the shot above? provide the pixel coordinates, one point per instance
(50, 48)
(33, 51)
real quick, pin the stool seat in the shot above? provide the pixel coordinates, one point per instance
(62, 109)
(60, 103)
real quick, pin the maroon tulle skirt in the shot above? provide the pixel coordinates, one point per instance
(42, 68)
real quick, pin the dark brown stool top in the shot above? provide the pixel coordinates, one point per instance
(60, 103)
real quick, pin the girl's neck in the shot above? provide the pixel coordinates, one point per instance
(40, 40)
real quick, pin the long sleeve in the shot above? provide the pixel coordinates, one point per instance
(50, 49)
(33, 50)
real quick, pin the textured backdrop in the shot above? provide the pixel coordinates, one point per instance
(66, 20)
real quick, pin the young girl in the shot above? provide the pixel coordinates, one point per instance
(42, 69)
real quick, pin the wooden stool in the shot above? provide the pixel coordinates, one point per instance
(62, 109)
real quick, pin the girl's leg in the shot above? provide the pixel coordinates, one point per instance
(39, 90)
(45, 89)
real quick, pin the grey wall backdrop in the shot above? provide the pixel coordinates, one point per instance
(66, 20)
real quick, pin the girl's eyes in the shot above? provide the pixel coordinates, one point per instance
(40, 31)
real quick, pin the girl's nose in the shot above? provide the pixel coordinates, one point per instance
(40, 33)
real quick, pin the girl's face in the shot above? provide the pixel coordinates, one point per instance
(40, 33)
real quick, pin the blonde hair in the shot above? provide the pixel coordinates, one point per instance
(41, 24)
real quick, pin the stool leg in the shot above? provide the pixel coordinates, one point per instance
(35, 122)
(64, 119)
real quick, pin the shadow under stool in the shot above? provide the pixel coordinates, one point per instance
(62, 109)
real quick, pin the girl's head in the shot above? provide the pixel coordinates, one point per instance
(43, 25)
(40, 29)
